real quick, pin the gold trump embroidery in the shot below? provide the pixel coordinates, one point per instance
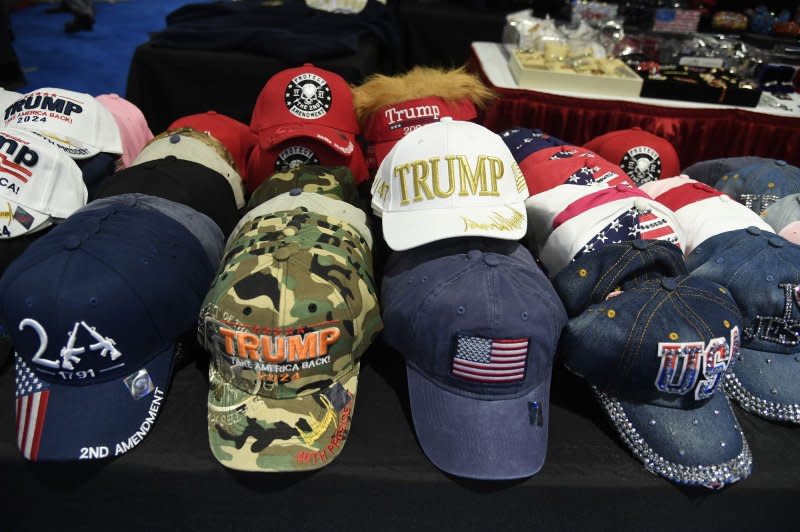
(497, 222)
(424, 178)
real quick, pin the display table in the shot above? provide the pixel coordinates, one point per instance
(382, 480)
(698, 131)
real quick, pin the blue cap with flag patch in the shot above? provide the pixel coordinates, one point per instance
(477, 322)
(762, 272)
(95, 309)
(655, 354)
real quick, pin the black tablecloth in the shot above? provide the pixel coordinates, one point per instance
(382, 480)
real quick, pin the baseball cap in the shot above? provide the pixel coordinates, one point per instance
(39, 184)
(570, 220)
(644, 156)
(333, 181)
(236, 136)
(449, 179)
(388, 124)
(8, 97)
(286, 322)
(761, 184)
(711, 170)
(477, 323)
(701, 210)
(570, 167)
(306, 101)
(523, 141)
(296, 198)
(73, 121)
(133, 129)
(655, 354)
(784, 217)
(192, 145)
(124, 282)
(187, 182)
(762, 272)
(296, 153)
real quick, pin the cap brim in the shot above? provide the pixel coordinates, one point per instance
(73, 148)
(94, 421)
(766, 384)
(249, 432)
(341, 141)
(702, 447)
(409, 229)
(17, 220)
(481, 439)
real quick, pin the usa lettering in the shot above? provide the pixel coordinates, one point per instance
(438, 178)
(395, 117)
(687, 366)
(44, 103)
(279, 349)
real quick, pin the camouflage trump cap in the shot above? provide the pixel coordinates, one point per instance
(286, 322)
(333, 181)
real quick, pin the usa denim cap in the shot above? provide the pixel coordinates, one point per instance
(711, 170)
(762, 272)
(655, 355)
(760, 184)
(445, 307)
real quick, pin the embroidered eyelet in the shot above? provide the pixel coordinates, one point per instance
(460, 310)
(524, 316)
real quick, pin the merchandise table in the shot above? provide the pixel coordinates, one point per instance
(698, 131)
(382, 480)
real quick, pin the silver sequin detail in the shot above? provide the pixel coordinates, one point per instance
(762, 407)
(709, 476)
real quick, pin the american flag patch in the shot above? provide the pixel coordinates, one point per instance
(31, 405)
(490, 360)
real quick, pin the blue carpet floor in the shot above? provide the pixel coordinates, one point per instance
(95, 62)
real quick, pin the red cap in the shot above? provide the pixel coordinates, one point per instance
(306, 102)
(565, 165)
(390, 123)
(641, 154)
(237, 137)
(265, 162)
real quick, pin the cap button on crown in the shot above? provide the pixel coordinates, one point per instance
(295, 191)
(491, 260)
(283, 253)
(780, 163)
(72, 242)
(754, 230)
(474, 254)
(621, 188)
(775, 242)
(174, 139)
(668, 283)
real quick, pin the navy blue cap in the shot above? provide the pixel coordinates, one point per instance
(591, 277)
(523, 141)
(655, 355)
(94, 309)
(478, 323)
(762, 272)
(759, 185)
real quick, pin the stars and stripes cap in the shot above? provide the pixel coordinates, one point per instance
(477, 323)
(95, 310)
(701, 210)
(571, 220)
(75, 122)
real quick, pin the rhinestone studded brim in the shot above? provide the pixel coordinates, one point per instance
(734, 389)
(708, 476)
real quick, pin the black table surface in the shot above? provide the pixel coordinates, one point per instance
(382, 479)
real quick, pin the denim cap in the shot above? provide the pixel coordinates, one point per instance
(711, 170)
(759, 185)
(592, 277)
(478, 324)
(655, 355)
(762, 272)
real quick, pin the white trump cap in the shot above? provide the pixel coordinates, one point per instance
(449, 179)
